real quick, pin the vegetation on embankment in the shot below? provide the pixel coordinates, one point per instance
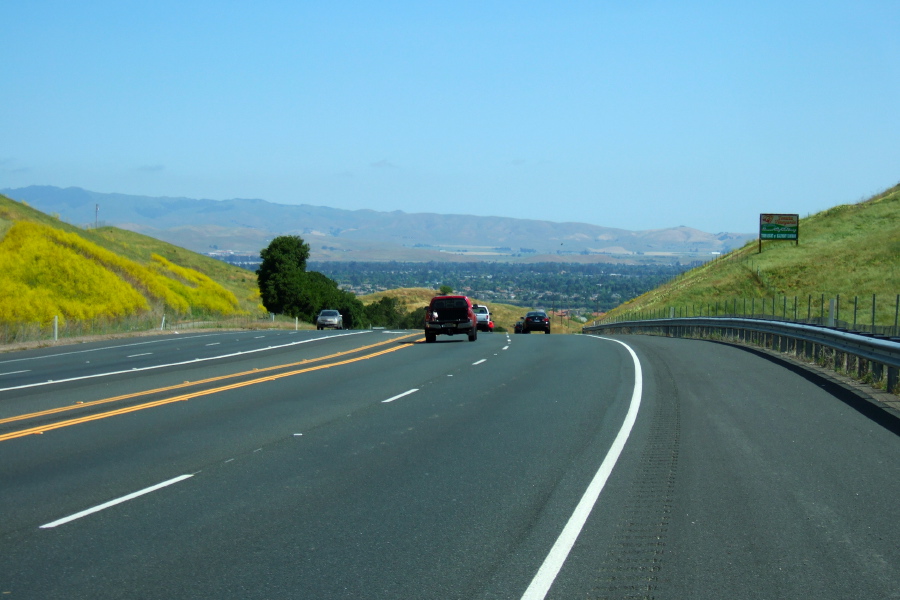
(51, 269)
(412, 301)
(849, 251)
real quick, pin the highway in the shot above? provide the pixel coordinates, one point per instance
(368, 464)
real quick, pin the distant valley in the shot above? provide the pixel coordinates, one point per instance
(244, 226)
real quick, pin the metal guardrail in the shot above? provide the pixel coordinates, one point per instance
(868, 357)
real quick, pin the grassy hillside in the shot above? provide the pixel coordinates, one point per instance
(851, 250)
(49, 268)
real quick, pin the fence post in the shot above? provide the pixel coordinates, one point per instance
(873, 313)
(896, 314)
(55, 328)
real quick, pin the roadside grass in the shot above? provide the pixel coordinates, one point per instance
(851, 251)
(140, 249)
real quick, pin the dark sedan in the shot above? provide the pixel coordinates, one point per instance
(536, 320)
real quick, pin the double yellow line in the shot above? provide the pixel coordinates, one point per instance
(188, 396)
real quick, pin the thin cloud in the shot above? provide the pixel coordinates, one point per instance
(8, 165)
(384, 164)
(151, 168)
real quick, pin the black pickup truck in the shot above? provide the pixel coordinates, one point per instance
(450, 315)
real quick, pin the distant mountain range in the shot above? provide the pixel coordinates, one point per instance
(246, 226)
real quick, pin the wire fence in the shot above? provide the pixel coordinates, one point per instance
(874, 314)
(67, 329)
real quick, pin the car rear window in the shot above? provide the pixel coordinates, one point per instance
(449, 303)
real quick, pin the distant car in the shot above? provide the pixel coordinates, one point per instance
(330, 318)
(517, 328)
(536, 320)
(483, 316)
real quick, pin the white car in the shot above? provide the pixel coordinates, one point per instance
(330, 318)
(483, 314)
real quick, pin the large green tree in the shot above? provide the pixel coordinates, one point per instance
(287, 288)
(280, 275)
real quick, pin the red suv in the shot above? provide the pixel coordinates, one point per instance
(449, 315)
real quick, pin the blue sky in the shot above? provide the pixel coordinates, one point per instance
(632, 114)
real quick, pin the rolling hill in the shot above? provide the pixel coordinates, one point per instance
(49, 268)
(243, 225)
(850, 253)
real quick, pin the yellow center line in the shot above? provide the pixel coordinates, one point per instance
(53, 411)
(197, 394)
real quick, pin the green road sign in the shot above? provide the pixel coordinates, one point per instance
(779, 227)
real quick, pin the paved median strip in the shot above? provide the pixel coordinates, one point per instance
(176, 364)
(51, 426)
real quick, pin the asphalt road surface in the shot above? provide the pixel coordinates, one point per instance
(368, 464)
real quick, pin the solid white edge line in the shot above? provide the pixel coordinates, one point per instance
(398, 396)
(546, 575)
(106, 505)
(177, 364)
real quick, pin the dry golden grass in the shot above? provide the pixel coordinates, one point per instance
(504, 315)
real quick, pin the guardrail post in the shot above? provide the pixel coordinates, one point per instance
(893, 375)
(877, 371)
